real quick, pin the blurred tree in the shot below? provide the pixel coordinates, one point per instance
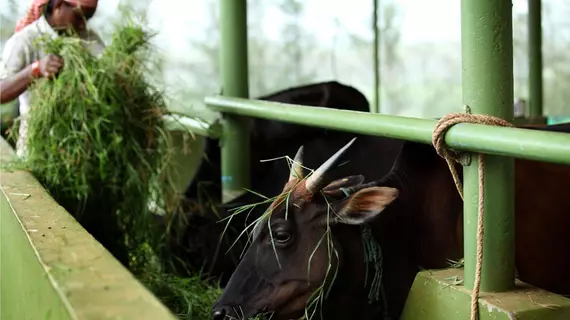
(8, 19)
(520, 55)
(263, 62)
(556, 62)
(295, 42)
(205, 72)
(259, 51)
(391, 66)
(390, 57)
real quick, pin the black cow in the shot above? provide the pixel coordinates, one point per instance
(197, 239)
(414, 213)
(201, 238)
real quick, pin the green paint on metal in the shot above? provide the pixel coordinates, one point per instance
(375, 107)
(235, 145)
(487, 63)
(193, 126)
(233, 55)
(235, 142)
(25, 291)
(84, 277)
(535, 58)
(187, 154)
(436, 295)
(511, 142)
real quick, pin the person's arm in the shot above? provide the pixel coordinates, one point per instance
(13, 86)
(16, 76)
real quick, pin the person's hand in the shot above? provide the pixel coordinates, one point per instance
(50, 65)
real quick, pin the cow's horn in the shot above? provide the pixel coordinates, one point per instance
(317, 180)
(297, 166)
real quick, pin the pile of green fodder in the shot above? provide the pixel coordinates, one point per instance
(97, 140)
(98, 143)
(189, 298)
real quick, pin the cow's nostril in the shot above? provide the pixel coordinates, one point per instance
(219, 314)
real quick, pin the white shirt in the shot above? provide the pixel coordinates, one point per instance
(21, 50)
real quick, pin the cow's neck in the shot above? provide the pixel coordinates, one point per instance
(419, 229)
(395, 232)
(349, 297)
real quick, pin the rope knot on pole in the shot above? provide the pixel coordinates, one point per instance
(452, 156)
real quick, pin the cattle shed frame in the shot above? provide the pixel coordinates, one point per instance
(487, 63)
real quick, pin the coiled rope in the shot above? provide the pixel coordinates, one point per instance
(451, 156)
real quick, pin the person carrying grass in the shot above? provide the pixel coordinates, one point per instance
(23, 59)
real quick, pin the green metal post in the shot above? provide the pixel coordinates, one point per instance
(235, 142)
(535, 58)
(487, 58)
(375, 107)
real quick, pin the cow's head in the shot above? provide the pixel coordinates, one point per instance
(293, 251)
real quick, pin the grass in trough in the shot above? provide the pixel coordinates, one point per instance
(98, 143)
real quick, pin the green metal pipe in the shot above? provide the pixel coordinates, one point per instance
(535, 108)
(235, 142)
(195, 126)
(511, 142)
(375, 107)
(487, 63)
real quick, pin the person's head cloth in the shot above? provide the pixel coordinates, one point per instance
(37, 7)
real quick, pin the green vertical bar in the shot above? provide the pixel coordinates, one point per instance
(535, 58)
(487, 58)
(375, 107)
(235, 141)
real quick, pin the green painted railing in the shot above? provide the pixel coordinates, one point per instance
(511, 142)
(52, 268)
(193, 125)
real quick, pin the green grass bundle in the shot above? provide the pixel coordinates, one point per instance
(190, 298)
(96, 136)
(98, 143)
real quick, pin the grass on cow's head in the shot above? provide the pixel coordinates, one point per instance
(284, 196)
(373, 252)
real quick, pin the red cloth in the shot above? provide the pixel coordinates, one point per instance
(84, 3)
(33, 14)
(36, 9)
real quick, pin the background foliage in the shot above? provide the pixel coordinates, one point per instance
(294, 42)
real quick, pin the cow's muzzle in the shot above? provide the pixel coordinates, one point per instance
(219, 313)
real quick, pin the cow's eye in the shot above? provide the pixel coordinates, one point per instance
(282, 236)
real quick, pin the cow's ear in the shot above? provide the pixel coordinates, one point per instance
(365, 205)
(335, 188)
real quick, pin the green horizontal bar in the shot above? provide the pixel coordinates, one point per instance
(512, 142)
(196, 126)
